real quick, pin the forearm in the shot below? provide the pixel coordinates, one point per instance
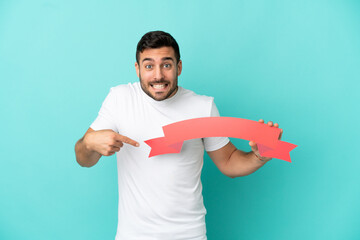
(84, 156)
(242, 163)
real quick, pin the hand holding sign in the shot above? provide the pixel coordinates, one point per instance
(254, 146)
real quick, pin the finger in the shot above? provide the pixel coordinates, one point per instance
(115, 149)
(276, 125)
(110, 150)
(117, 144)
(270, 123)
(253, 146)
(261, 121)
(127, 140)
(281, 132)
(108, 153)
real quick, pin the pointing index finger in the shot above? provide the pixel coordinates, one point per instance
(127, 140)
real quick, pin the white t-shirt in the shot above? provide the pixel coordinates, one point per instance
(159, 197)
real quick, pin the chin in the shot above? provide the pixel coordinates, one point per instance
(159, 91)
(159, 97)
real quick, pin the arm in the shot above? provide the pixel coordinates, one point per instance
(236, 163)
(95, 144)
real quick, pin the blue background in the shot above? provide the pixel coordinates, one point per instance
(293, 62)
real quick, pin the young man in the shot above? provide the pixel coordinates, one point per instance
(159, 197)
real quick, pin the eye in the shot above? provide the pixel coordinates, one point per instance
(148, 66)
(167, 65)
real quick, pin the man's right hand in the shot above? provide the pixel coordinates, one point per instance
(106, 142)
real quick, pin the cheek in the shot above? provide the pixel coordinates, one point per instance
(145, 75)
(172, 75)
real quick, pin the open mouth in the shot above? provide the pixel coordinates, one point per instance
(158, 86)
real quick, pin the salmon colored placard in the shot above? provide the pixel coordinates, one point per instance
(266, 137)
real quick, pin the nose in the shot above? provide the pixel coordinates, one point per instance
(158, 74)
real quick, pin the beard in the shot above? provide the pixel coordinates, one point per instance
(145, 87)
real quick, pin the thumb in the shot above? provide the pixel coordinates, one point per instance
(253, 146)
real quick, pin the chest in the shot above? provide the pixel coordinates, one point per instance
(142, 121)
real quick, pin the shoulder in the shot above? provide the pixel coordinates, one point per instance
(125, 90)
(196, 104)
(192, 96)
(122, 88)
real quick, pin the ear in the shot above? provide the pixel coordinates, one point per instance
(137, 69)
(179, 66)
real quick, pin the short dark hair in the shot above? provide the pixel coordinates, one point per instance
(157, 39)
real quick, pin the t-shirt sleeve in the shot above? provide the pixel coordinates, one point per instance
(215, 143)
(106, 118)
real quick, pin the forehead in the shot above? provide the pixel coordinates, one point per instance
(157, 53)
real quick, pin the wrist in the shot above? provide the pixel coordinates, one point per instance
(260, 158)
(86, 143)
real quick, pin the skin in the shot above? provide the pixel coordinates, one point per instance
(236, 163)
(94, 144)
(155, 67)
(159, 67)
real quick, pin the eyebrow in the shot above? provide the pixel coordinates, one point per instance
(147, 59)
(163, 59)
(167, 58)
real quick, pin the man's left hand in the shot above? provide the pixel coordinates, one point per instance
(254, 147)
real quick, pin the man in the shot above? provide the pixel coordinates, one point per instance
(159, 197)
